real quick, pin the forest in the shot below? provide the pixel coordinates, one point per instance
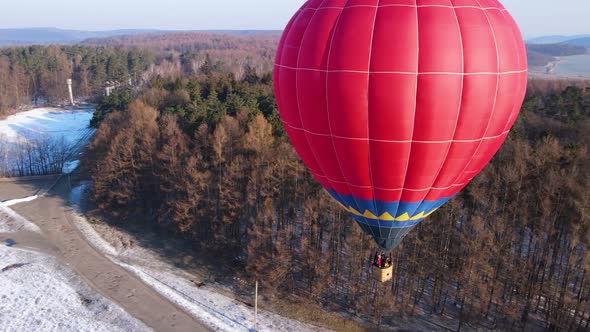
(36, 75)
(232, 51)
(203, 154)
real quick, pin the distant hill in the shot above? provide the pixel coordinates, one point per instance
(44, 36)
(542, 54)
(258, 42)
(555, 39)
(585, 41)
(561, 49)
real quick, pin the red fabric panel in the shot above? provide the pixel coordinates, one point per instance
(394, 49)
(347, 104)
(352, 3)
(457, 158)
(458, 3)
(392, 104)
(389, 163)
(311, 84)
(479, 97)
(506, 43)
(440, 42)
(397, 2)
(433, 2)
(425, 161)
(311, 95)
(478, 41)
(350, 50)
(490, 4)
(437, 107)
(351, 44)
(507, 92)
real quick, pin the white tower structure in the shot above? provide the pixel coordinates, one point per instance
(69, 81)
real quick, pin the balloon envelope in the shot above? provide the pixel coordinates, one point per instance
(396, 105)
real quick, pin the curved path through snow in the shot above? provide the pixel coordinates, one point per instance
(62, 239)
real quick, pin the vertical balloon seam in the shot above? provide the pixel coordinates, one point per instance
(415, 102)
(337, 196)
(460, 105)
(377, 212)
(297, 85)
(279, 56)
(331, 43)
(460, 174)
(358, 202)
(349, 200)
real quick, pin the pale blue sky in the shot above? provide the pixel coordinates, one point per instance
(535, 17)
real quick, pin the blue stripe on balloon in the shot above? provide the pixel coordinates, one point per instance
(396, 209)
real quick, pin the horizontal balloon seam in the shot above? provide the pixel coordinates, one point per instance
(407, 6)
(520, 71)
(397, 141)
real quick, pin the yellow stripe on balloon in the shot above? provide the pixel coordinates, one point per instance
(387, 216)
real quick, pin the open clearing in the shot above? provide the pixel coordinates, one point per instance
(43, 141)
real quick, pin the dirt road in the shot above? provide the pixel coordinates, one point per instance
(61, 238)
(24, 187)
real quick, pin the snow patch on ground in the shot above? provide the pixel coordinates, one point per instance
(54, 122)
(38, 294)
(11, 221)
(70, 166)
(19, 200)
(60, 133)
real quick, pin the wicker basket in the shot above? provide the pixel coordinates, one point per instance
(383, 274)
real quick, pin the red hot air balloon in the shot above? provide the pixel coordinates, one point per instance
(396, 105)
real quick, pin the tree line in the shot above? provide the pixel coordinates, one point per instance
(36, 75)
(34, 155)
(232, 50)
(205, 156)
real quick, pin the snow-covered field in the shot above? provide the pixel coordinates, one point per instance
(56, 123)
(38, 294)
(43, 140)
(219, 312)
